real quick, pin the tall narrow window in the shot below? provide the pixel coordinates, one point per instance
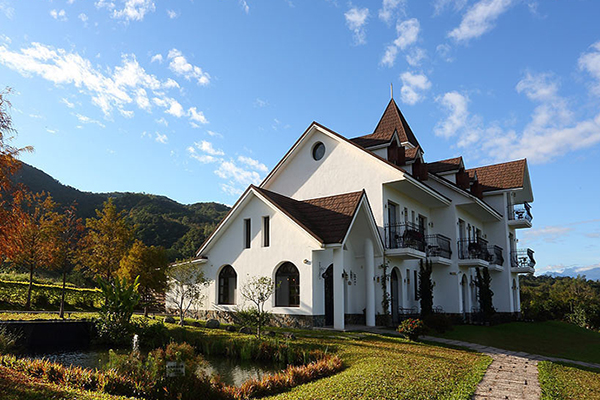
(266, 232)
(287, 279)
(247, 236)
(227, 285)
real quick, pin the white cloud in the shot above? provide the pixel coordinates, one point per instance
(5, 39)
(162, 121)
(443, 50)
(129, 10)
(170, 105)
(157, 57)
(231, 190)
(415, 56)
(51, 130)
(83, 17)
(235, 174)
(479, 19)
(408, 33)
(67, 103)
(127, 113)
(214, 134)
(390, 8)
(260, 103)
(551, 132)
(108, 90)
(6, 9)
(208, 148)
(197, 116)
(245, 6)
(172, 14)
(456, 105)
(441, 5)
(161, 138)
(413, 86)
(87, 120)
(180, 66)
(254, 164)
(59, 15)
(590, 62)
(356, 19)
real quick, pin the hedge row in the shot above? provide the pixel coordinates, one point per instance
(15, 293)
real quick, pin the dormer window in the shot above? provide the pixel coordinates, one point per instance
(318, 151)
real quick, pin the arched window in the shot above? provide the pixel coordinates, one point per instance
(227, 285)
(287, 280)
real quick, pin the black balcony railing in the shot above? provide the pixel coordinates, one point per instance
(438, 246)
(473, 249)
(495, 255)
(522, 258)
(520, 212)
(404, 235)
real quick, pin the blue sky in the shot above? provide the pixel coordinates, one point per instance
(195, 100)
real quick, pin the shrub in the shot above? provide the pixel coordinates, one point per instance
(8, 340)
(15, 293)
(412, 328)
(438, 322)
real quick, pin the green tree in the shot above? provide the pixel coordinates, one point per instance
(120, 299)
(108, 240)
(149, 263)
(258, 290)
(483, 283)
(185, 283)
(425, 289)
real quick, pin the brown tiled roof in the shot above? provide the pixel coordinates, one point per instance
(326, 218)
(444, 165)
(411, 154)
(507, 175)
(391, 121)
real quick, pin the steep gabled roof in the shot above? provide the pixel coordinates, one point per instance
(509, 175)
(326, 218)
(391, 121)
(411, 154)
(441, 166)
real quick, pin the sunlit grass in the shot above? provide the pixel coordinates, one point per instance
(562, 382)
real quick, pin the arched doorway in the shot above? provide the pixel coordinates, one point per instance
(328, 277)
(287, 281)
(465, 293)
(227, 285)
(396, 294)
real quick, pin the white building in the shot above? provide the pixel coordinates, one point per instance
(334, 210)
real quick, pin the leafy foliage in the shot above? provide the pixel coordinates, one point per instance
(257, 290)
(386, 297)
(425, 289)
(483, 282)
(15, 293)
(185, 287)
(120, 299)
(575, 300)
(412, 328)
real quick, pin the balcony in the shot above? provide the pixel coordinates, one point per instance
(519, 215)
(478, 253)
(522, 261)
(438, 249)
(404, 240)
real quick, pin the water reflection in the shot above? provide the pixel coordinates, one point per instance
(232, 371)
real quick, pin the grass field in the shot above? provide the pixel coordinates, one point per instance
(552, 338)
(375, 367)
(562, 382)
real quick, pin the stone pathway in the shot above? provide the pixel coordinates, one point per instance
(511, 375)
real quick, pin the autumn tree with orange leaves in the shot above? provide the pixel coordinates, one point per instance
(9, 164)
(107, 241)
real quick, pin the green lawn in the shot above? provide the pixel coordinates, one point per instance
(552, 338)
(561, 382)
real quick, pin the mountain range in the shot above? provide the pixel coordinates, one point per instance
(158, 220)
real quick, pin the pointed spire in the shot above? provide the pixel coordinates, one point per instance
(393, 120)
(391, 90)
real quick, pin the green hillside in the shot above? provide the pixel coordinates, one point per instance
(179, 228)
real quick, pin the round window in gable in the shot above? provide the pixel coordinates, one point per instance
(318, 151)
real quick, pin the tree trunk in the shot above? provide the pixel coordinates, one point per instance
(29, 289)
(62, 298)
(146, 311)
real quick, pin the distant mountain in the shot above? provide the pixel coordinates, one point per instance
(159, 221)
(592, 274)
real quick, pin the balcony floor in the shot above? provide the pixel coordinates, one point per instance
(407, 253)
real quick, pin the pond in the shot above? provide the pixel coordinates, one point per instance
(232, 371)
